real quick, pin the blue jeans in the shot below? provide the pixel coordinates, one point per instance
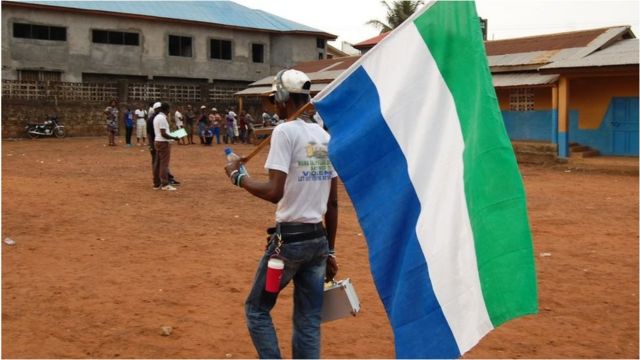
(305, 264)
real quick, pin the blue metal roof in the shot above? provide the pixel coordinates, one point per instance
(214, 12)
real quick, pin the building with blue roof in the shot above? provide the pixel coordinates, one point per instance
(217, 42)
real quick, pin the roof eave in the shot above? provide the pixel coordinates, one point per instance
(515, 68)
(625, 68)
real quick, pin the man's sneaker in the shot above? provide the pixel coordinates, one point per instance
(156, 187)
(174, 182)
(168, 188)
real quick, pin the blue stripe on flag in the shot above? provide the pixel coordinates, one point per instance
(388, 209)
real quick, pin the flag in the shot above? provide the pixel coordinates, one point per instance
(418, 140)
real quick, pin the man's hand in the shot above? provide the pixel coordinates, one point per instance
(332, 268)
(231, 166)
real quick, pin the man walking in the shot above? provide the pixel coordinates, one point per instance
(304, 185)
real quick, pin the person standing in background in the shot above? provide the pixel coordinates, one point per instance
(177, 117)
(112, 121)
(141, 125)
(230, 121)
(128, 126)
(162, 145)
(202, 123)
(151, 109)
(190, 121)
(242, 127)
(155, 170)
(214, 119)
(248, 119)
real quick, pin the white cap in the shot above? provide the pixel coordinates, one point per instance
(214, 109)
(157, 105)
(232, 113)
(294, 81)
(203, 107)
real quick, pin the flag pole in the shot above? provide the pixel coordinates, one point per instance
(268, 138)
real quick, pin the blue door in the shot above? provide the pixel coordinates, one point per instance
(624, 126)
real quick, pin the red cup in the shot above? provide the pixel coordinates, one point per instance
(275, 268)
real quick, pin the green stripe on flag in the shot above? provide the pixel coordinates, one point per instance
(493, 186)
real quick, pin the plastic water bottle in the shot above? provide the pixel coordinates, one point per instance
(231, 156)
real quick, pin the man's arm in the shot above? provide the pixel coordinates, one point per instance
(164, 134)
(331, 224)
(272, 190)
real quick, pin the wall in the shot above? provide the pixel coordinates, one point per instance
(79, 119)
(537, 125)
(288, 50)
(590, 116)
(601, 138)
(542, 97)
(87, 118)
(78, 54)
(529, 125)
(591, 96)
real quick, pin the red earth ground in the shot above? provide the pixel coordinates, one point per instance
(102, 262)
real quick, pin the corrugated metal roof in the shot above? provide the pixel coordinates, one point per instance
(219, 12)
(532, 58)
(257, 90)
(543, 57)
(523, 79)
(321, 76)
(369, 43)
(624, 52)
(327, 64)
(543, 42)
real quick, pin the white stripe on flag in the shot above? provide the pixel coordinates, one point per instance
(420, 111)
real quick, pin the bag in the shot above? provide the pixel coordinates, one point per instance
(340, 300)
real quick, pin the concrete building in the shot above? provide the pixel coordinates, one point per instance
(173, 42)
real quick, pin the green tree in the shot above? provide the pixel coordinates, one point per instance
(397, 13)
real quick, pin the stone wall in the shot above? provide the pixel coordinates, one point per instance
(85, 118)
(79, 119)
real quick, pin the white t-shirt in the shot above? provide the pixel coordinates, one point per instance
(140, 113)
(178, 118)
(160, 122)
(300, 150)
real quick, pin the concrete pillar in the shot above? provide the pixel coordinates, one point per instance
(563, 117)
(240, 105)
(123, 91)
(554, 114)
(204, 94)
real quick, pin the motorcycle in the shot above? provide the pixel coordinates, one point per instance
(50, 127)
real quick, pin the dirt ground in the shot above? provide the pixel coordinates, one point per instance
(102, 261)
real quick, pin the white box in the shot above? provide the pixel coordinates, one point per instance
(340, 300)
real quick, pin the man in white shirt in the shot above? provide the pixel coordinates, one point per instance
(141, 126)
(162, 145)
(304, 185)
(177, 117)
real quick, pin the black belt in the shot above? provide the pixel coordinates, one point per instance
(296, 232)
